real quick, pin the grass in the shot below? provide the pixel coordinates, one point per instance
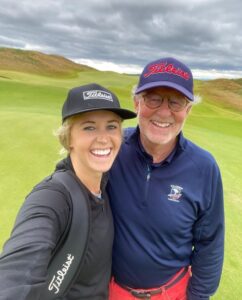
(220, 132)
(30, 108)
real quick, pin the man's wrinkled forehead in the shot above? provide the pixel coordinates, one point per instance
(162, 90)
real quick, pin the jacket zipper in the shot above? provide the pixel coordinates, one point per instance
(147, 184)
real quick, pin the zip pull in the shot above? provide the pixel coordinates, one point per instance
(146, 186)
(148, 173)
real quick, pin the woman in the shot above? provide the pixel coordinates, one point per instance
(91, 133)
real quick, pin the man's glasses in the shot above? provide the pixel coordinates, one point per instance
(175, 103)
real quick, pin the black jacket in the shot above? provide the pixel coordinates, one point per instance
(38, 227)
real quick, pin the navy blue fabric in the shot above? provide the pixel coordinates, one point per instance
(167, 216)
(167, 72)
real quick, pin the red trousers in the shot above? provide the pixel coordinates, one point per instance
(174, 289)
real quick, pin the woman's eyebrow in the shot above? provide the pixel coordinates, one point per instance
(85, 122)
(110, 121)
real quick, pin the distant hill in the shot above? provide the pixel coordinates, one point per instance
(225, 92)
(39, 63)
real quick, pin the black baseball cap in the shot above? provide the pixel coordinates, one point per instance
(92, 97)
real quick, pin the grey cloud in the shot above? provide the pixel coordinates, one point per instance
(205, 34)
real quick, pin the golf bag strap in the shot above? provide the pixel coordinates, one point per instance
(68, 256)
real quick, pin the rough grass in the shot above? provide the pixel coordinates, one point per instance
(224, 92)
(39, 63)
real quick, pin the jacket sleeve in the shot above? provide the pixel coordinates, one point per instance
(208, 244)
(25, 257)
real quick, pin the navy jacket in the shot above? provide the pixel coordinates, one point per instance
(167, 215)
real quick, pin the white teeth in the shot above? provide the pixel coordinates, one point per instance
(101, 152)
(162, 125)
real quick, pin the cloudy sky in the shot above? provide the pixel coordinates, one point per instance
(123, 35)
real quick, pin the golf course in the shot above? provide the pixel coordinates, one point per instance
(33, 88)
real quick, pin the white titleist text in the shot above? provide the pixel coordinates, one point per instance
(60, 275)
(87, 95)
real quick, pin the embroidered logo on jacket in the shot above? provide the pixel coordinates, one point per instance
(175, 193)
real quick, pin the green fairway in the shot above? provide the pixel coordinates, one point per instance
(30, 109)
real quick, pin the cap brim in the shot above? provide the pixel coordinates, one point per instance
(166, 84)
(123, 113)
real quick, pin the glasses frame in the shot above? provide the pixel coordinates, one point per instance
(168, 102)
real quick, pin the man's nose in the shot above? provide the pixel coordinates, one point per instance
(164, 107)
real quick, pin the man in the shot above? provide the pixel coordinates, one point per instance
(167, 197)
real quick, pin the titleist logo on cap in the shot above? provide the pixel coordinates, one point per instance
(166, 68)
(97, 94)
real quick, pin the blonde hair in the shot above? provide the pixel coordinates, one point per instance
(63, 133)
